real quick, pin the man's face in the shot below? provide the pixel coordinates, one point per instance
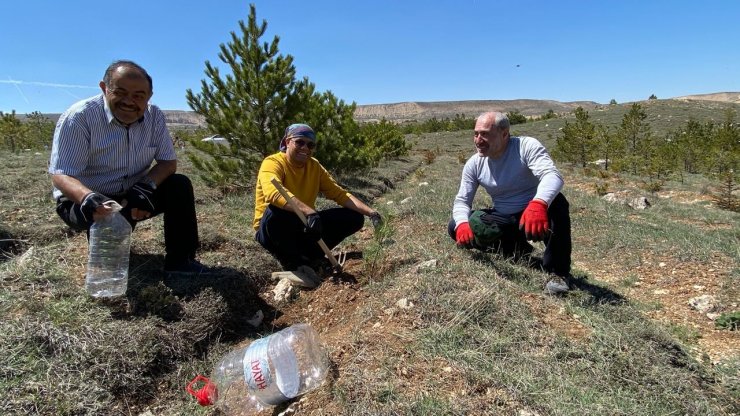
(127, 95)
(489, 140)
(300, 149)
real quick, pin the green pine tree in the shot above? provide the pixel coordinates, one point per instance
(577, 141)
(252, 104)
(635, 132)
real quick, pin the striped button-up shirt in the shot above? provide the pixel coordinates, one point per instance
(106, 156)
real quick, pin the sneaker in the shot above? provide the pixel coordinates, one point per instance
(556, 286)
(189, 268)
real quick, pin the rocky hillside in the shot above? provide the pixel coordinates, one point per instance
(726, 97)
(448, 109)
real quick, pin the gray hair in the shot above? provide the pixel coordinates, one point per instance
(128, 64)
(500, 120)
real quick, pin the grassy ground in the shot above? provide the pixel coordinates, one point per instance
(473, 336)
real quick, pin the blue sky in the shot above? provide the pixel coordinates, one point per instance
(53, 53)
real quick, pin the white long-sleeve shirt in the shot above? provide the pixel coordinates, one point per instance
(525, 171)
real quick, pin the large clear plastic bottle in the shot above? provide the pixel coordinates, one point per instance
(269, 371)
(108, 255)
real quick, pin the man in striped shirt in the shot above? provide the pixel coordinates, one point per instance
(104, 148)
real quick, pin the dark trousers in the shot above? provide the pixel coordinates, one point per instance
(174, 198)
(281, 233)
(513, 242)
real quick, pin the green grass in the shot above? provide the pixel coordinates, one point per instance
(479, 339)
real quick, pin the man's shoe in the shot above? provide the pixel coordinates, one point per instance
(556, 286)
(189, 268)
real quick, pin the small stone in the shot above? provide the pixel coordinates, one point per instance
(404, 303)
(660, 292)
(661, 264)
(376, 325)
(256, 319)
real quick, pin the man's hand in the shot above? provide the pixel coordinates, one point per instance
(313, 226)
(90, 205)
(376, 219)
(464, 235)
(534, 220)
(141, 196)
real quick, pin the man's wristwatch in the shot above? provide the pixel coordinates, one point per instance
(149, 181)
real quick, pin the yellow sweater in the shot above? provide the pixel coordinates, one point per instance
(304, 183)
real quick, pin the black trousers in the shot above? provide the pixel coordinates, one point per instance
(174, 198)
(558, 246)
(281, 233)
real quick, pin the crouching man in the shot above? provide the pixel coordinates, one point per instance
(524, 186)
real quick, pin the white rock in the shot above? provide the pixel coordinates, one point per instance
(639, 203)
(660, 292)
(704, 303)
(284, 291)
(405, 200)
(429, 264)
(424, 184)
(256, 319)
(404, 303)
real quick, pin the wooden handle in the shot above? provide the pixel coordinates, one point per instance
(300, 214)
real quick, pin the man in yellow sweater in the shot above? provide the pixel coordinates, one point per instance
(280, 230)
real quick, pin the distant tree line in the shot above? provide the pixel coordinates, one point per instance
(34, 133)
(462, 122)
(711, 149)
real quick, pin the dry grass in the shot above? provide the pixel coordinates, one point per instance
(471, 335)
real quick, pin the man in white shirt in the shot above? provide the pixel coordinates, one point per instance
(103, 149)
(524, 185)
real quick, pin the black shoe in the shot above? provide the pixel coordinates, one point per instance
(188, 268)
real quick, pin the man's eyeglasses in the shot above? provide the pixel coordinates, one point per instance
(301, 143)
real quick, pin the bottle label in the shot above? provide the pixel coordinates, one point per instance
(258, 376)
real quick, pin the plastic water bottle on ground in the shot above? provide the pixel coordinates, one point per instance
(108, 255)
(269, 371)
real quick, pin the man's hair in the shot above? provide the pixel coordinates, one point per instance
(129, 64)
(500, 120)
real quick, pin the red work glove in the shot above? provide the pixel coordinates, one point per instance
(464, 235)
(534, 220)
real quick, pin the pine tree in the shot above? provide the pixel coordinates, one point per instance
(635, 132)
(253, 103)
(577, 141)
(12, 131)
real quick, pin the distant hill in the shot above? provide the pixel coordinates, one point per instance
(448, 109)
(407, 111)
(725, 97)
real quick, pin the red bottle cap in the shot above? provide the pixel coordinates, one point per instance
(207, 395)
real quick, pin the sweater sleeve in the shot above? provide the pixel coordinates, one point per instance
(541, 164)
(464, 199)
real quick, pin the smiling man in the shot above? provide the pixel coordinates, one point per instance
(280, 230)
(524, 185)
(115, 146)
